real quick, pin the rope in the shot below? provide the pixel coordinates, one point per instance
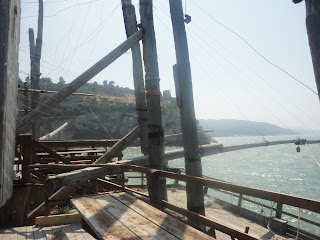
(311, 155)
(298, 224)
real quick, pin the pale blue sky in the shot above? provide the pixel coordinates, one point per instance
(230, 80)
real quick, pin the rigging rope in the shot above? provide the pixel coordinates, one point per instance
(313, 158)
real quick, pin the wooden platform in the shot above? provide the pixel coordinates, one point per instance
(122, 216)
(71, 231)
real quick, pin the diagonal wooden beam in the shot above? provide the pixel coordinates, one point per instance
(78, 176)
(56, 99)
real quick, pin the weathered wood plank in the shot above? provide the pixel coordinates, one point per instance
(56, 99)
(163, 220)
(102, 222)
(80, 143)
(29, 230)
(37, 233)
(68, 232)
(131, 219)
(9, 46)
(77, 228)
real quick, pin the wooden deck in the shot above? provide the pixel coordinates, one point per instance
(122, 216)
(61, 232)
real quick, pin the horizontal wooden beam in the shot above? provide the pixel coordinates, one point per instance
(79, 143)
(48, 91)
(25, 122)
(305, 203)
(234, 233)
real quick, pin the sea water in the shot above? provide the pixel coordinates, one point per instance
(277, 168)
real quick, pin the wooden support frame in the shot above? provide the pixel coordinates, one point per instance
(56, 99)
(90, 172)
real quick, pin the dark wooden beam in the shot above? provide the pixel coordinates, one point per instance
(10, 13)
(313, 26)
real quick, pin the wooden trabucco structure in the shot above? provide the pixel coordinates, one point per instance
(48, 173)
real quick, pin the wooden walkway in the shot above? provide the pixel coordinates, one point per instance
(61, 232)
(122, 216)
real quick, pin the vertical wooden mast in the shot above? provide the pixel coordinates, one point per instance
(313, 30)
(150, 58)
(35, 55)
(195, 196)
(130, 21)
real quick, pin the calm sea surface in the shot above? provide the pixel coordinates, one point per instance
(276, 168)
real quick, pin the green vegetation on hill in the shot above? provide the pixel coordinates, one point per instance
(110, 113)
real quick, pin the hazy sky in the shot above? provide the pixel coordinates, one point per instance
(230, 80)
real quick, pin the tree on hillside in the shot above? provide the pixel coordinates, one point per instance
(105, 83)
(111, 83)
(61, 82)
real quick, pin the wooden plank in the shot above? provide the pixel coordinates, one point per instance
(29, 231)
(56, 99)
(9, 46)
(195, 195)
(234, 233)
(37, 233)
(58, 219)
(46, 232)
(80, 143)
(21, 233)
(76, 230)
(163, 220)
(100, 221)
(131, 219)
(7, 234)
(68, 232)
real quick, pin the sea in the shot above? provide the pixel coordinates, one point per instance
(279, 168)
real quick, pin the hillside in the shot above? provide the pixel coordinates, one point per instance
(231, 127)
(110, 113)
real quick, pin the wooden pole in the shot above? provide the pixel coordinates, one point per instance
(56, 99)
(155, 130)
(10, 13)
(195, 196)
(26, 98)
(50, 135)
(130, 22)
(35, 69)
(313, 26)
